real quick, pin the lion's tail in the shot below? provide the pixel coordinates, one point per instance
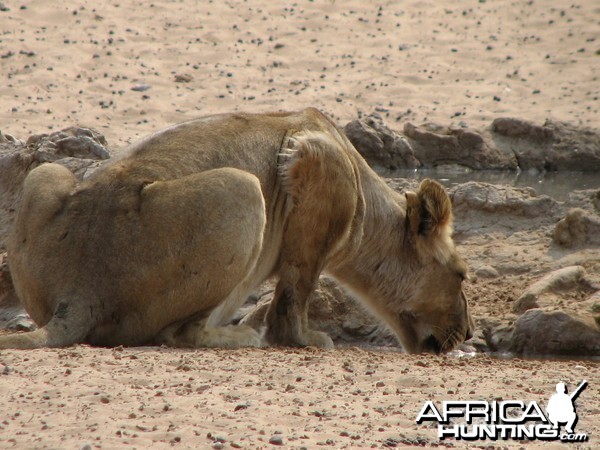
(70, 324)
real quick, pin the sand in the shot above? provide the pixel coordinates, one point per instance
(128, 68)
(343, 398)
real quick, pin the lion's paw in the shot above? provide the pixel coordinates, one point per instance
(232, 336)
(318, 339)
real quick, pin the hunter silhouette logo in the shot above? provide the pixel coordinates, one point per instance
(507, 419)
(561, 408)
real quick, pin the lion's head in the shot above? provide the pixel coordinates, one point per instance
(411, 276)
(435, 314)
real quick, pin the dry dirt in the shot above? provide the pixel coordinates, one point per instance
(343, 398)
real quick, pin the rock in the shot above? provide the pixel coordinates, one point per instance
(81, 150)
(538, 332)
(565, 279)
(75, 142)
(183, 78)
(276, 440)
(8, 139)
(14, 165)
(518, 128)
(591, 306)
(486, 272)
(12, 315)
(501, 199)
(402, 185)
(81, 168)
(435, 145)
(140, 87)
(588, 199)
(498, 338)
(379, 145)
(552, 146)
(507, 144)
(336, 313)
(577, 229)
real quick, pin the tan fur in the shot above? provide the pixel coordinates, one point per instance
(165, 243)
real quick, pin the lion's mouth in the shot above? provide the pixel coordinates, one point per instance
(432, 345)
(449, 341)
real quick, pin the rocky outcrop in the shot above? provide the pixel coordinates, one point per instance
(79, 149)
(558, 315)
(435, 145)
(506, 200)
(508, 144)
(565, 279)
(577, 229)
(539, 332)
(380, 145)
(588, 199)
(552, 146)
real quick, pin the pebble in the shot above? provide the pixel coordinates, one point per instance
(183, 78)
(276, 440)
(141, 87)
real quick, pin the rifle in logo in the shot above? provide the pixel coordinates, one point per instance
(561, 407)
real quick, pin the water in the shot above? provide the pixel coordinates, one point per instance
(557, 185)
(472, 353)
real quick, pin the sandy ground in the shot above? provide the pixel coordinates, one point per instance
(344, 398)
(76, 62)
(128, 68)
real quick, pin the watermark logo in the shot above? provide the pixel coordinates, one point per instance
(510, 419)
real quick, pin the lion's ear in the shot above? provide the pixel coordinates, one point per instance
(429, 216)
(413, 211)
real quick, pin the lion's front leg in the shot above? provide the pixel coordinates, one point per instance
(287, 318)
(322, 187)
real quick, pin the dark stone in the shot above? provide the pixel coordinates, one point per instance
(538, 332)
(519, 128)
(435, 145)
(379, 145)
(577, 229)
(552, 146)
(501, 199)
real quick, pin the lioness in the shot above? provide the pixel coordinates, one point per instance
(164, 244)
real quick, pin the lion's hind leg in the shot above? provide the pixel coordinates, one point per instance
(212, 331)
(218, 240)
(63, 317)
(198, 334)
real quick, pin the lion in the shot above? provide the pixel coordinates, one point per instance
(163, 244)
